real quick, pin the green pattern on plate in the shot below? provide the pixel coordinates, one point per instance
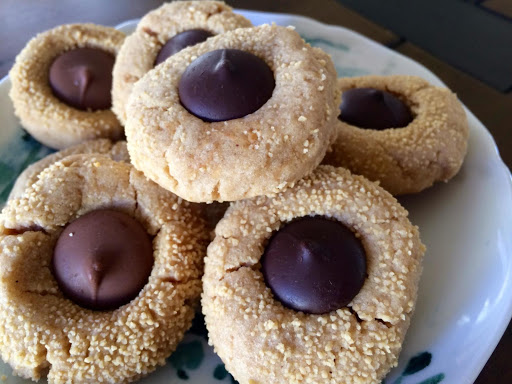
(350, 71)
(22, 151)
(434, 379)
(318, 42)
(188, 356)
(329, 46)
(220, 373)
(416, 364)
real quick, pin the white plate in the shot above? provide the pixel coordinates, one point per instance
(465, 297)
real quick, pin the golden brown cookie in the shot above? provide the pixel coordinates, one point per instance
(405, 160)
(261, 340)
(116, 151)
(140, 50)
(47, 118)
(43, 332)
(260, 153)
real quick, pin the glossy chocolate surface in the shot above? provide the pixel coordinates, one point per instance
(314, 265)
(103, 259)
(373, 109)
(82, 78)
(180, 41)
(226, 84)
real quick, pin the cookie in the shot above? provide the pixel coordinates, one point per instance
(43, 331)
(116, 151)
(242, 145)
(401, 131)
(249, 295)
(212, 213)
(162, 32)
(61, 85)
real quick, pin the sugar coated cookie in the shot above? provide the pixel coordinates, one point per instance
(69, 307)
(61, 85)
(400, 131)
(243, 114)
(314, 285)
(163, 32)
(116, 151)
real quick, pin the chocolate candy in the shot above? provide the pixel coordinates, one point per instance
(374, 109)
(180, 41)
(314, 265)
(225, 84)
(82, 78)
(103, 259)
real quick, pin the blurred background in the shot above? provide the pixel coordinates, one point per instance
(468, 44)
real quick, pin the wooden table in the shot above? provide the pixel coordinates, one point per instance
(22, 19)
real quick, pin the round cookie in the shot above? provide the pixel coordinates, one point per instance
(261, 153)
(267, 342)
(43, 114)
(141, 49)
(405, 160)
(116, 151)
(41, 331)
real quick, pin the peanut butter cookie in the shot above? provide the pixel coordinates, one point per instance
(243, 114)
(61, 85)
(116, 151)
(400, 131)
(163, 32)
(69, 307)
(314, 285)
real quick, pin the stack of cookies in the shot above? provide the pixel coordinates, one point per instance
(310, 276)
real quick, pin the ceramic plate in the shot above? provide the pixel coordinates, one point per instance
(465, 297)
